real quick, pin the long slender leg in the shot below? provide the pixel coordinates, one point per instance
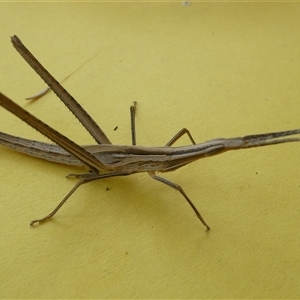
(178, 135)
(179, 189)
(174, 139)
(85, 119)
(132, 121)
(87, 158)
(48, 217)
(84, 178)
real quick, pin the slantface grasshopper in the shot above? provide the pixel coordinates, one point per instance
(107, 160)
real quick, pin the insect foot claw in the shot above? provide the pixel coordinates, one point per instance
(40, 221)
(73, 175)
(81, 176)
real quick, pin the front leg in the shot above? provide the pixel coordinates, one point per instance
(84, 178)
(178, 135)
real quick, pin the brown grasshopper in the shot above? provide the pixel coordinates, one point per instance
(107, 160)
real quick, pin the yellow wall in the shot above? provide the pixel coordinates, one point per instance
(218, 69)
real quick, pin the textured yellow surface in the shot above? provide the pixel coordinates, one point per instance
(221, 70)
